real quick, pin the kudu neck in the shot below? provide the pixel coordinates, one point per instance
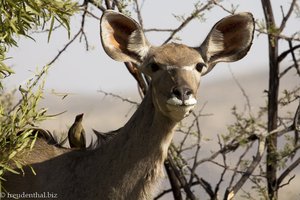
(149, 120)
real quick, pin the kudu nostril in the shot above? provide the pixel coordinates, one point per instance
(183, 93)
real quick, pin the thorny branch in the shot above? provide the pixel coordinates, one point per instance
(119, 97)
(232, 11)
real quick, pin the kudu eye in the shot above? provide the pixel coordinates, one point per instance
(154, 67)
(201, 67)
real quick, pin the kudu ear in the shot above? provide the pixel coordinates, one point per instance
(123, 38)
(229, 40)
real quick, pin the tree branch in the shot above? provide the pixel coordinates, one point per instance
(138, 12)
(242, 90)
(174, 182)
(287, 16)
(170, 190)
(107, 4)
(189, 19)
(97, 5)
(231, 192)
(119, 97)
(287, 70)
(294, 58)
(279, 36)
(285, 53)
(158, 30)
(223, 8)
(180, 176)
(234, 144)
(132, 68)
(287, 171)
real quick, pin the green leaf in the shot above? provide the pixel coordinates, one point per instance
(9, 169)
(51, 28)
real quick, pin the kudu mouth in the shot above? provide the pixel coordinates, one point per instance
(181, 108)
(174, 101)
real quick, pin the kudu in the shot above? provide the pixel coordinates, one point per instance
(131, 163)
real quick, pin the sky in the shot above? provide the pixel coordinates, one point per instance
(81, 71)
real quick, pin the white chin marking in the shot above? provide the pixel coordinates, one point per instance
(174, 101)
(177, 102)
(178, 109)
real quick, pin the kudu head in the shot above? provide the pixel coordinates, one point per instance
(175, 69)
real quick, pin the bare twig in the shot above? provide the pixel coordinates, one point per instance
(138, 12)
(287, 52)
(297, 118)
(235, 170)
(223, 8)
(223, 172)
(189, 19)
(119, 97)
(47, 66)
(287, 70)
(170, 190)
(81, 30)
(279, 36)
(158, 30)
(97, 5)
(195, 121)
(288, 182)
(294, 58)
(233, 145)
(230, 192)
(287, 171)
(92, 15)
(198, 146)
(287, 16)
(242, 89)
(83, 34)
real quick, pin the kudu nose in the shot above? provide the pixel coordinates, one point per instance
(182, 93)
